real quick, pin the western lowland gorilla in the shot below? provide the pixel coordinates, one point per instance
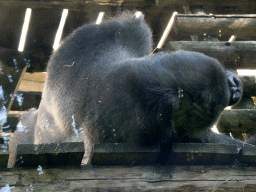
(104, 86)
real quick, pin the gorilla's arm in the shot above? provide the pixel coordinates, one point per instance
(208, 136)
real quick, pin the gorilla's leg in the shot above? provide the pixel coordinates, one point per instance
(23, 134)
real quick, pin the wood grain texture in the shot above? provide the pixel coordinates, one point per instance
(137, 178)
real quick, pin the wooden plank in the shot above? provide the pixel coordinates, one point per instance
(237, 54)
(30, 155)
(133, 178)
(53, 154)
(33, 82)
(75, 5)
(37, 76)
(241, 26)
(35, 86)
(218, 3)
(248, 155)
(203, 154)
(123, 154)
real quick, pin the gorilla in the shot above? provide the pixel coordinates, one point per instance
(104, 86)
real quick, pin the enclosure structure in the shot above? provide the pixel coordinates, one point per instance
(204, 27)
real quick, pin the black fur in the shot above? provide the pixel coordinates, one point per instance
(103, 86)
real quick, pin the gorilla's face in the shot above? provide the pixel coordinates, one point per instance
(235, 88)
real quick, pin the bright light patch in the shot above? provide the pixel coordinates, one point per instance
(214, 129)
(60, 29)
(24, 30)
(167, 30)
(246, 72)
(228, 108)
(138, 14)
(232, 38)
(100, 17)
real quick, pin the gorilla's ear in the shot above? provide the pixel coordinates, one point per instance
(235, 88)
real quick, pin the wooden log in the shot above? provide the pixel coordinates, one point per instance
(238, 121)
(249, 85)
(218, 3)
(53, 154)
(73, 5)
(245, 103)
(232, 54)
(241, 26)
(203, 154)
(123, 154)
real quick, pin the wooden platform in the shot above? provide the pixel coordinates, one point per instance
(137, 178)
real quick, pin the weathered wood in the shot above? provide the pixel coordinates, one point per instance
(33, 82)
(241, 26)
(53, 154)
(237, 121)
(134, 178)
(249, 85)
(75, 5)
(237, 54)
(203, 154)
(248, 154)
(205, 2)
(245, 103)
(123, 154)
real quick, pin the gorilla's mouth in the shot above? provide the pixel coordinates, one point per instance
(235, 95)
(235, 88)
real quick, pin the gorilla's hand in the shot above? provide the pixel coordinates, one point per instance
(235, 88)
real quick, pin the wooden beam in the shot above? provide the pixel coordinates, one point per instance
(248, 154)
(205, 2)
(123, 154)
(53, 154)
(75, 5)
(242, 26)
(237, 54)
(133, 178)
(203, 154)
